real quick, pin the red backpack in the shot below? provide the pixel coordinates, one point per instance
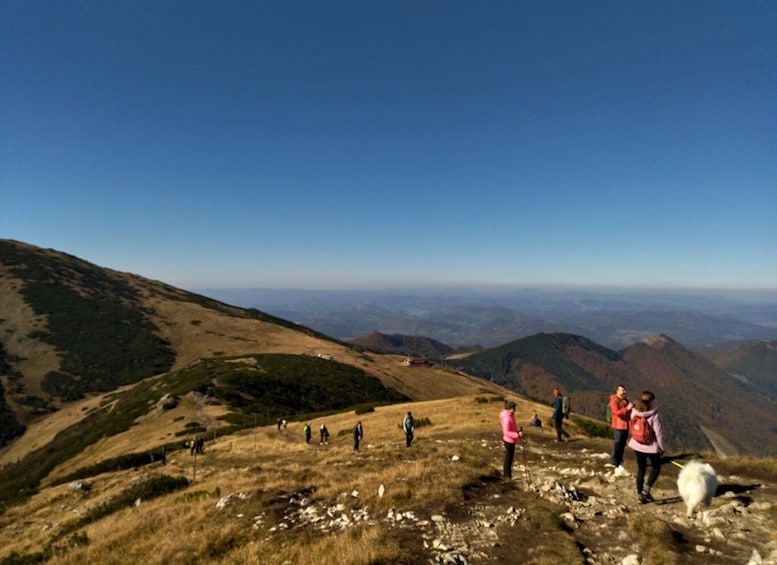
(640, 430)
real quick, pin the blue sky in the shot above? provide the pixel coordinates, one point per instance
(358, 144)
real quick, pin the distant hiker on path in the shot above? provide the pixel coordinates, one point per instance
(620, 410)
(510, 437)
(408, 426)
(358, 434)
(651, 451)
(197, 445)
(558, 414)
(535, 421)
(306, 429)
(324, 435)
(279, 424)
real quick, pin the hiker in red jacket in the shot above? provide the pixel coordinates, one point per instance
(620, 408)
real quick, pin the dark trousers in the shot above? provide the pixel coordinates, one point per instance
(655, 469)
(620, 437)
(508, 462)
(408, 438)
(558, 423)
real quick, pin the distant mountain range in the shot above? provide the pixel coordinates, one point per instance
(70, 329)
(467, 317)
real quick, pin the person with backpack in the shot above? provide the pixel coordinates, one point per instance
(647, 441)
(558, 414)
(510, 437)
(408, 426)
(307, 431)
(620, 414)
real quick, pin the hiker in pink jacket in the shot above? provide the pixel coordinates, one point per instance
(510, 436)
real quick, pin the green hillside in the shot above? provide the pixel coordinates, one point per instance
(256, 389)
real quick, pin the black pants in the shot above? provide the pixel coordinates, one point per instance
(408, 438)
(558, 424)
(655, 469)
(509, 456)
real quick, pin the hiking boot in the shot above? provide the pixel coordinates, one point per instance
(646, 497)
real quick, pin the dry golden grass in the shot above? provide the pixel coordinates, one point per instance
(269, 465)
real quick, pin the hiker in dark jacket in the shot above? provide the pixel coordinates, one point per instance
(558, 414)
(358, 434)
(408, 426)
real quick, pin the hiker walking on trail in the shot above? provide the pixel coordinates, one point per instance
(510, 437)
(197, 445)
(358, 434)
(306, 429)
(558, 414)
(647, 441)
(408, 426)
(324, 435)
(620, 414)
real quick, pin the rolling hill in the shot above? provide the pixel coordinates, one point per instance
(398, 344)
(755, 362)
(704, 407)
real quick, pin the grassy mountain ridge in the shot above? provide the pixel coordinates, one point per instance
(265, 496)
(100, 329)
(75, 334)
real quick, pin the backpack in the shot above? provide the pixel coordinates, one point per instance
(565, 406)
(640, 430)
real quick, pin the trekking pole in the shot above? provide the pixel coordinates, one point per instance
(526, 473)
(673, 462)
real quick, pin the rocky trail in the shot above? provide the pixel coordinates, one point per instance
(564, 503)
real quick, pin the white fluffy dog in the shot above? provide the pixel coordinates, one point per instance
(697, 483)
